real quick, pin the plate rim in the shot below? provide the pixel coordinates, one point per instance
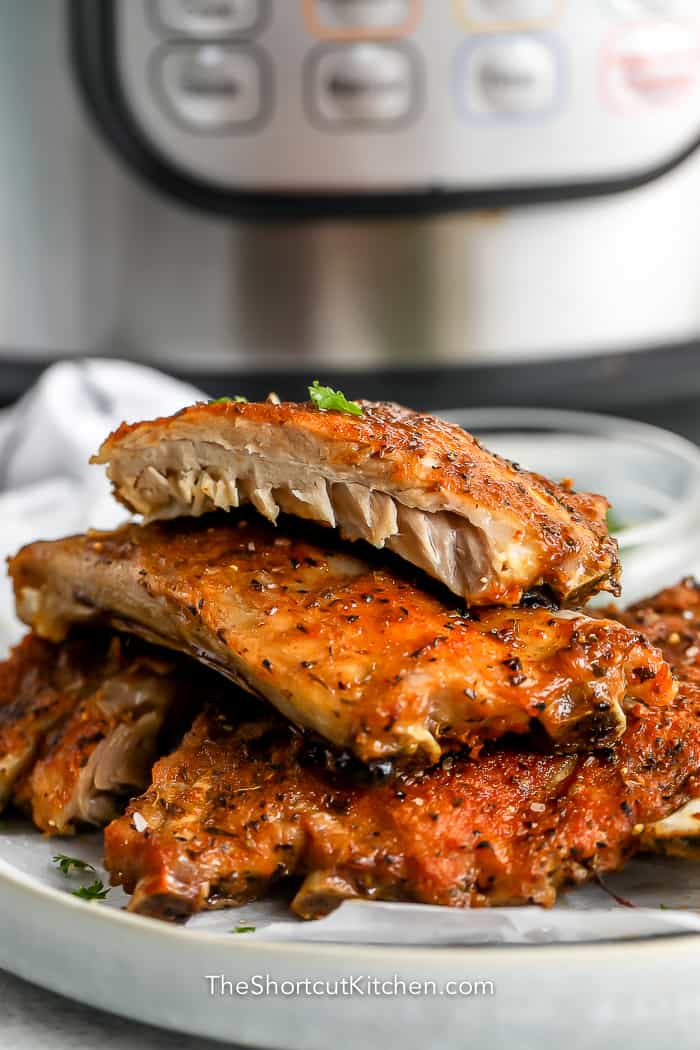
(120, 918)
(147, 971)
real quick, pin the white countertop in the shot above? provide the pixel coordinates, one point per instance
(31, 1017)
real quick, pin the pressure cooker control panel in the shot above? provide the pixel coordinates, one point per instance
(357, 96)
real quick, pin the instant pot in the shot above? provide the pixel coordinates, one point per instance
(445, 201)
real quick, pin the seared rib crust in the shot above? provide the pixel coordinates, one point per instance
(671, 619)
(349, 648)
(420, 486)
(239, 807)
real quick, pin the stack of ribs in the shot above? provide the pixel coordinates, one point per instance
(355, 648)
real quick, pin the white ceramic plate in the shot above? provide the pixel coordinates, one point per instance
(156, 973)
(153, 972)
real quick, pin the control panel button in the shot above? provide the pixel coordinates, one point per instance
(354, 18)
(212, 87)
(652, 64)
(508, 11)
(363, 84)
(514, 76)
(208, 19)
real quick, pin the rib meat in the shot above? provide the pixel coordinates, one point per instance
(40, 684)
(240, 806)
(104, 752)
(345, 646)
(419, 486)
(671, 620)
(83, 723)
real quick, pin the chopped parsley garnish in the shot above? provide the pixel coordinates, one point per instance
(327, 399)
(613, 522)
(67, 864)
(237, 400)
(96, 891)
(243, 929)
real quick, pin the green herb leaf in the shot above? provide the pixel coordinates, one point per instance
(237, 400)
(327, 399)
(613, 522)
(67, 864)
(94, 892)
(243, 929)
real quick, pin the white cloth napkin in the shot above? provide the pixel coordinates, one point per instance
(47, 486)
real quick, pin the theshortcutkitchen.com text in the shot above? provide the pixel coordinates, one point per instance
(393, 986)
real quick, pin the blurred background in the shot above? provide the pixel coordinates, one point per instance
(451, 203)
